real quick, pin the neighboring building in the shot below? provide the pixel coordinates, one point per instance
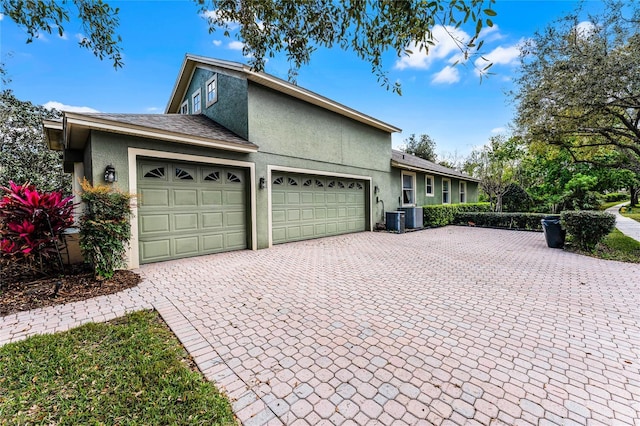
(242, 159)
(427, 183)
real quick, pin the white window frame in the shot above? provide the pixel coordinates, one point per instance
(426, 186)
(412, 189)
(184, 108)
(196, 94)
(213, 80)
(463, 191)
(448, 192)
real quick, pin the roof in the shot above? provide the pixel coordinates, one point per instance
(189, 129)
(191, 62)
(406, 161)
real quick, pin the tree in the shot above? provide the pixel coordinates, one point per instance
(24, 155)
(496, 165)
(579, 87)
(99, 23)
(368, 28)
(422, 146)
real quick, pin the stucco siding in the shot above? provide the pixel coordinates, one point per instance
(230, 110)
(285, 126)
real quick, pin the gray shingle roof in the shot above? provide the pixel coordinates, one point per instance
(199, 126)
(404, 159)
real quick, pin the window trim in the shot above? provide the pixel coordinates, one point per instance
(213, 79)
(195, 94)
(413, 188)
(426, 187)
(448, 191)
(462, 192)
(184, 107)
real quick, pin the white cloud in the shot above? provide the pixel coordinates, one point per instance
(1, 16)
(448, 75)
(153, 109)
(217, 42)
(498, 130)
(235, 45)
(585, 29)
(489, 34)
(447, 42)
(211, 15)
(79, 36)
(499, 56)
(68, 108)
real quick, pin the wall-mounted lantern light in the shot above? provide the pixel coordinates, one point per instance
(262, 184)
(110, 174)
(376, 189)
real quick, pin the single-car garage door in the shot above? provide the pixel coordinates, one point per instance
(187, 209)
(308, 206)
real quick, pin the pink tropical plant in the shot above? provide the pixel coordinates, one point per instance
(31, 222)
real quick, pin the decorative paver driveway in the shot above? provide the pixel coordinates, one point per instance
(446, 326)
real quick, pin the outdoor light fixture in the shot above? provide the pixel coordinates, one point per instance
(110, 174)
(376, 189)
(263, 183)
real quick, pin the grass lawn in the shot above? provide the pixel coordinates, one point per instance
(605, 206)
(616, 246)
(635, 213)
(129, 371)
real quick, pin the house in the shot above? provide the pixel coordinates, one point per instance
(244, 160)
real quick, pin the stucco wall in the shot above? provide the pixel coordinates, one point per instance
(230, 110)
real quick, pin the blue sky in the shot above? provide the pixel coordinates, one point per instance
(450, 104)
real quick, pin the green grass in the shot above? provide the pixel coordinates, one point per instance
(605, 206)
(635, 213)
(131, 371)
(616, 246)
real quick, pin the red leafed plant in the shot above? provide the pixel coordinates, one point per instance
(31, 222)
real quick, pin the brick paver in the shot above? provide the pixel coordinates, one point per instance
(445, 326)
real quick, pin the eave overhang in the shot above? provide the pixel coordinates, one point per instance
(403, 166)
(76, 129)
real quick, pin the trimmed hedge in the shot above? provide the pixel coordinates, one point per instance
(519, 221)
(444, 214)
(588, 227)
(615, 196)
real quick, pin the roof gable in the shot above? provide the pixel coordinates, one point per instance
(191, 62)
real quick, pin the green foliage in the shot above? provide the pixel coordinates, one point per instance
(444, 214)
(579, 89)
(617, 246)
(578, 194)
(423, 147)
(99, 23)
(130, 371)
(519, 221)
(516, 199)
(105, 228)
(588, 228)
(369, 28)
(615, 196)
(496, 165)
(25, 156)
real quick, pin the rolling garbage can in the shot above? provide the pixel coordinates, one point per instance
(553, 232)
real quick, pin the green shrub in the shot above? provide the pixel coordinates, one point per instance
(588, 228)
(444, 214)
(615, 196)
(516, 199)
(105, 228)
(520, 221)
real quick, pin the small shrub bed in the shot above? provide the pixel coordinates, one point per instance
(587, 228)
(444, 214)
(519, 221)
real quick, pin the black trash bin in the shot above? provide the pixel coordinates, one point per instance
(553, 232)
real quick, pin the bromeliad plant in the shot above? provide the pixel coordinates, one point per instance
(32, 223)
(105, 228)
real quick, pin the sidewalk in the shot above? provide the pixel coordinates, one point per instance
(628, 227)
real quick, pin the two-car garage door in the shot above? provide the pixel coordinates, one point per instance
(187, 209)
(190, 209)
(309, 206)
